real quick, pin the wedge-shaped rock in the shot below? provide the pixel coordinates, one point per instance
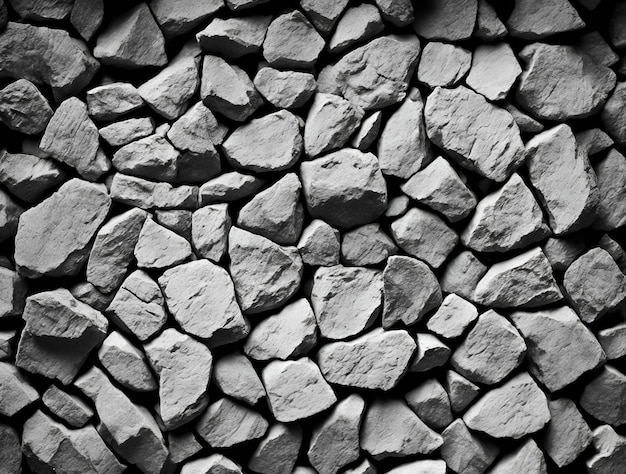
(559, 83)
(446, 20)
(89, 294)
(335, 440)
(366, 245)
(133, 40)
(430, 402)
(561, 252)
(330, 122)
(488, 25)
(560, 347)
(594, 140)
(230, 186)
(126, 131)
(296, 389)
(6, 343)
(23, 108)
(48, 443)
(527, 458)
(466, 452)
(524, 121)
(212, 464)
(146, 194)
(197, 130)
(227, 89)
(111, 101)
(126, 364)
(611, 175)
(391, 429)
(610, 451)
(461, 275)
(375, 360)
(87, 17)
(292, 42)
(183, 367)
(46, 56)
(112, 250)
(265, 274)
(129, 429)
(375, 75)
(17, 393)
(368, 131)
(13, 290)
(278, 450)
(235, 376)
(276, 212)
(567, 435)
(319, 244)
(269, 143)
(152, 157)
(201, 297)
(10, 448)
(476, 134)
(424, 235)
(494, 71)
(346, 300)
(357, 24)
(613, 116)
(209, 231)
(506, 219)
(399, 13)
(523, 281)
(159, 248)
(234, 37)
(42, 10)
(285, 89)
(180, 17)
(410, 291)
(344, 188)
(431, 353)
(290, 333)
(513, 410)
(69, 408)
(453, 317)
(138, 306)
(604, 397)
(72, 138)
(10, 213)
(595, 284)
(491, 350)
(461, 391)
(29, 177)
(559, 169)
(530, 20)
(323, 13)
(443, 64)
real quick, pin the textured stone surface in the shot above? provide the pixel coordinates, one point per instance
(182, 16)
(159, 248)
(292, 42)
(446, 20)
(567, 434)
(285, 89)
(494, 71)
(366, 245)
(70, 408)
(443, 64)
(237, 378)
(527, 458)
(530, 20)
(16, 392)
(603, 396)
(234, 37)
(453, 317)
(610, 448)
(29, 177)
(357, 24)
(319, 244)
(226, 423)
(611, 179)
(278, 450)
(23, 108)
(126, 364)
(431, 403)
(465, 452)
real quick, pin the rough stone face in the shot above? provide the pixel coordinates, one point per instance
(513, 410)
(159, 248)
(366, 245)
(126, 364)
(488, 25)
(296, 389)
(209, 231)
(182, 16)
(439, 187)
(29, 177)
(6, 343)
(10, 449)
(427, 466)
(42, 10)
(16, 393)
(424, 235)
(453, 317)
(491, 350)
(344, 188)
(523, 281)
(265, 274)
(391, 429)
(126, 131)
(278, 450)
(480, 136)
(443, 64)
(560, 347)
(447, 20)
(612, 115)
(524, 121)
(527, 458)
(461, 275)
(70, 408)
(182, 445)
(13, 290)
(611, 179)
(506, 219)
(46, 56)
(152, 157)
(399, 13)
(10, 215)
(288, 334)
(368, 131)
(610, 451)
(197, 131)
(201, 297)
(319, 244)
(603, 397)
(595, 284)
(356, 25)
(285, 89)
(323, 13)
(494, 71)
(111, 101)
(292, 42)
(533, 21)
(567, 434)
(375, 75)
(613, 341)
(235, 376)
(269, 143)
(132, 41)
(430, 402)
(561, 252)
(431, 353)
(375, 360)
(87, 16)
(23, 108)
(559, 83)
(465, 452)
(346, 300)
(149, 194)
(215, 463)
(228, 187)
(594, 140)
(555, 164)
(183, 366)
(461, 391)
(234, 37)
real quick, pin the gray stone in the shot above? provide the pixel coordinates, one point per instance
(292, 42)
(604, 396)
(319, 244)
(366, 245)
(111, 101)
(152, 157)
(201, 297)
(367, 132)
(133, 40)
(364, 467)
(399, 13)
(176, 220)
(532, 21)
(296, 389)
(182, 445)
(237, 5)
(10, 215)
(446, 20)
(323, 13)
(182, 16)
(527, 458)
(197, 131)
(488, 25)
(126, 131)
(466, 452)
(610, 451)
(453, 317)
(235, 376)
(146, 194)
(159, 248)
(29, 177)
(443, 64)
(23, 108)
(513, 410)
(613, 341)
(228, 187)
(277, 452)
(377, 360)
(567, 434)
(234, 37)
(593, 44)
(461, 391)
(6, 343)
(426, 466)
(481, 136)
(17, 393)
(594, 140)
(431, 353)
(494, 70)
(89, 294)
(13, 290)
(42, 10)
(213, 464)
(126, 364)
(612, 115)
(561, 252)
(69, 408)
(209, 231)
(430, 402)
(357, 24)
(611, 178)
(522, 281)
(10, 450)
(87, 16)
(524, 121)
(285, 89)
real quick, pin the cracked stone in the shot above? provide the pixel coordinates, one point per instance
(126, 364)
(146, 194)
(159, 248)
(69, 408)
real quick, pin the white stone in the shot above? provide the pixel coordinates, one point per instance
(494, 71)
(159, 248)
(443, 64)
(453, 317)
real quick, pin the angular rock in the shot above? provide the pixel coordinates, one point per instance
(375, 75)
(532, 21)
(465, 452)
(613, 341)
(138, 306)
(152, 157)
(613, 116)
(494, 71)
(89, 294)
(595, 284)
(398, 13)
(461, 391)
(430, 402)
(133, 40)
(593, 44)
(443, 64)
(481, 136)
(364, 467)
(46, 56)
(235, 376)
(87, 16)
(278, 450)
(126, 131)
(524, 121)
(527, 458)
(491, 350)
(296, 389)
(10, 449)
(23, 108)
(453, 317)
(345, 188)
(330, 122)
(197, 131)
(265, 274)
(201, 297)
(376, 360)
(357, 24)
(594, 140)
(182, 16)
(446, 20)
(269, 143)
(288, 334)
(6, 343)
(285, 89)
(427, 466)
(522, 281)
(611, 451)
(611, 175)
(17, 393)
(215, 463)
(391, 429)
(111, 101)
(209, 231)
(159, 248)
(567, 434)
(488, 25)
(424, 235)
(182, 445)
(431, 353)
(603, 397)
(366, 245)
(13, 290)
(29, 177)
(513, 410)
(42, 10)
(346, 300)
(319, 244)
(146, 194)
(335, 440)
(234, 37)
(323, 13)
(461, 275)
(560, 347)
(69, 408)
(228, 187)
(126, 364)
(561, 252)
(559, 83)
(368, 131)
(292, 42)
